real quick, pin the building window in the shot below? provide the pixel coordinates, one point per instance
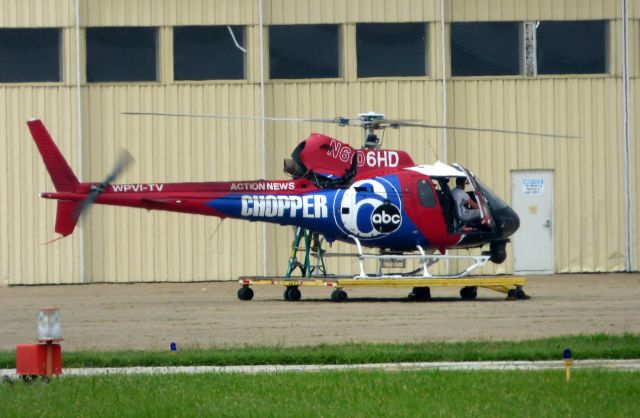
(304, 51)
(122, 54)
(577, 47)
(485, 48)
(29, 55)
(391, 49)
(207, 53)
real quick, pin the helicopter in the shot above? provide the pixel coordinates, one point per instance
(371, 197)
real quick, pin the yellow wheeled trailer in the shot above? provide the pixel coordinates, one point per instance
(315, 274)
(511, 286)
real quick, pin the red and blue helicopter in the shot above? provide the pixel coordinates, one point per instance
(370, 197)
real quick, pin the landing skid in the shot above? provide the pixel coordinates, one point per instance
(315, 274)
(425, 259)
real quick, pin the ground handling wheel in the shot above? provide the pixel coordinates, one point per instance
(339, 295)
(517, 293)
(469, 292)
(420, 293)
(292, 294)
(245, 293)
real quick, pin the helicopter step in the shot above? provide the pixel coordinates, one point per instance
(511, 286)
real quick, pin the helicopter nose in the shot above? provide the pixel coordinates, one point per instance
(507, 220)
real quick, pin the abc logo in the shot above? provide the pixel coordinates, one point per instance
(386, 218)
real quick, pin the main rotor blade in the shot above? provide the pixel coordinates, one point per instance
(357, 121)
(195, 115)
(503, 131)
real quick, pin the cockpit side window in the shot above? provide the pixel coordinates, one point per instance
(425, 194)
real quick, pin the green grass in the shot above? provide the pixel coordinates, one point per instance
(584, 346)
(596, 393)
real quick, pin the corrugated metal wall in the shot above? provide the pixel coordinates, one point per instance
(127, 245)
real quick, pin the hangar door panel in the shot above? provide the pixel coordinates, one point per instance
(532, 196)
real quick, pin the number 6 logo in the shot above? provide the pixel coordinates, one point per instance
(366, 211)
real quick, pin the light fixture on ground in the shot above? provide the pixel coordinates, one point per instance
(44, 358)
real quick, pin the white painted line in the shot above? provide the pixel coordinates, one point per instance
(628, 365)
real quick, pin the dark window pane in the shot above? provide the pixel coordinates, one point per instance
(485, 48)
(207, 53)
(121, 54)
(571, 47)
(29, 55)
(304, 51)
(426, 195)
(391, 49)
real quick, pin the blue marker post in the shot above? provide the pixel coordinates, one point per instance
(173, 348)
(568, 361)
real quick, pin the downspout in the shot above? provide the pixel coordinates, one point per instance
(444, 81)
(443, 69)
(79, 129)
(626, 143)
(263, 146)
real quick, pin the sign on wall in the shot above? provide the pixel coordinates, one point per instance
(532, 187)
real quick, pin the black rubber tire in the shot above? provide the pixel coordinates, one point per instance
(245, 293)
(469, 293)
(339, 295)
(294, 294)
(420, 293)
(514, 294)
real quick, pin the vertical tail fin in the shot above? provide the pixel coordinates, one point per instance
(61, 174)
(67, 216)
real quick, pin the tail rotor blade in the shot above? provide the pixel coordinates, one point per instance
(123, 160)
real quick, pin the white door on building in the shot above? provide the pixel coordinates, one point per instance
(532, 197)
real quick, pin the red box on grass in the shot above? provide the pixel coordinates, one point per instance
(31, 359)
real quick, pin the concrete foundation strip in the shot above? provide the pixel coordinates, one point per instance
(626, 365)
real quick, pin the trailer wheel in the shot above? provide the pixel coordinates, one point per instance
(245, 293)
(516, 294)
(339, 295)
(295, 294)
(420, 293)
(469, 292)
(292, 294)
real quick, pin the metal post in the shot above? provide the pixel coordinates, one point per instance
(445, 137)
(626, 143)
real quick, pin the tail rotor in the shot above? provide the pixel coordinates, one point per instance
(123, 160)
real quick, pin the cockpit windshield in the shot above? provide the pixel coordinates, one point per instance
(494, 201)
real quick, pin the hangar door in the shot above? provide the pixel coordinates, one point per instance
(532, 196)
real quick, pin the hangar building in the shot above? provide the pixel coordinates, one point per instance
(569, 67)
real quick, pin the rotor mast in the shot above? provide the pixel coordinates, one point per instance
(370, 121)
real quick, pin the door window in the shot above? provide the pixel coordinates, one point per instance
(425, 194)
